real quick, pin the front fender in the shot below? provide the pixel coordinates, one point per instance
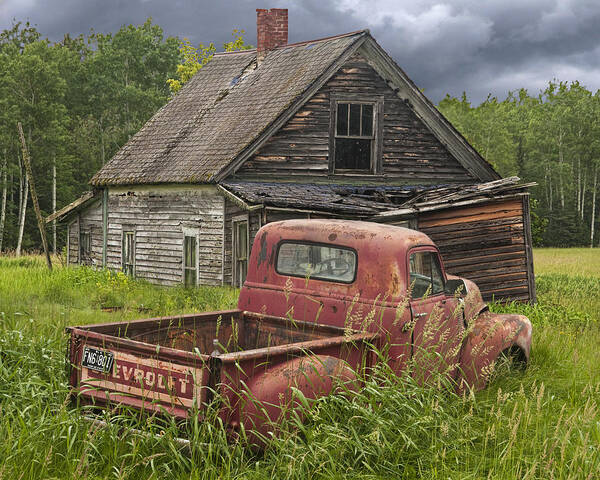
(486, 338)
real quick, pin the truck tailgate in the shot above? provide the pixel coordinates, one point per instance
(121, 371)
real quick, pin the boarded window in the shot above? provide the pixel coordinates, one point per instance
(128, 253)
(354, 136)
(190, 264)
(425, 274)
(320, 262)
(240, 252)
(85, 247)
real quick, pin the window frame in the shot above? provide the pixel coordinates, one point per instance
(317, 244)
(435, 251)
(192, 233)
(235, 221)
(88, 251)
(376, 167)
(128, 231)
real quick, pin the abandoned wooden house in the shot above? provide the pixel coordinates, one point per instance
(323, 128)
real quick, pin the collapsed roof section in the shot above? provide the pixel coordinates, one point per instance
(372, 202)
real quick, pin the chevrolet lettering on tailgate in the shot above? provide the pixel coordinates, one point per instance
(149, 379)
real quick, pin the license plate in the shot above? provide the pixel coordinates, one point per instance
(98, 360)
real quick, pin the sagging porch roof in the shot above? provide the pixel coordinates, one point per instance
(370, 202)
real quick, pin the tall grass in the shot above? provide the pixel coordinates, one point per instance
(541, 423)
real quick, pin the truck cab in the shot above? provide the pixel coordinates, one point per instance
(318, 296)
(386, 279)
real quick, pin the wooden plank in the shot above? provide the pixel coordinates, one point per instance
(410, 153)
(528, 249)
(472, 218)
(459, 228)
(492, 250)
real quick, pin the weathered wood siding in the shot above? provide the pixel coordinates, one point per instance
(299, 150)
(88, 221)
(73, 242)
(233, 210)
(158, 217)
(487, 243)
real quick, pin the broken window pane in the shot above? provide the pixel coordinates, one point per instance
(128, 253)
(242, 241)
(354, 137)
(353, 154)
(189, 267)
(85, 247)
(240, 252)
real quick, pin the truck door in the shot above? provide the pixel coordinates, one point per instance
(437, 323)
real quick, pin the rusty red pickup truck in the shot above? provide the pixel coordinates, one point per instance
(320, 297)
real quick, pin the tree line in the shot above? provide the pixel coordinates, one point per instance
(82, 98)
(552, 139)
(79, 101)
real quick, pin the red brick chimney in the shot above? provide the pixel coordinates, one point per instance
(271, 29)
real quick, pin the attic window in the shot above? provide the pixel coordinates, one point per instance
(355, 134)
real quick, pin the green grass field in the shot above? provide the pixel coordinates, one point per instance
(543, 423)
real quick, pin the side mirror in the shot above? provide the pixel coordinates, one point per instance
(456, 286)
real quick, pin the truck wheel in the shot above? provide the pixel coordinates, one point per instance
(512, 359)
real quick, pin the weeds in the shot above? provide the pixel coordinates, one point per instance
(538, 424)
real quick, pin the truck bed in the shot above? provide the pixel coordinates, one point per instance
(176, 364)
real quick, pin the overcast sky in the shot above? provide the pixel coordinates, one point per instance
(445, 46)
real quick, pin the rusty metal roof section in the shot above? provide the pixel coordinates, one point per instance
(222, 111)
(376, 202)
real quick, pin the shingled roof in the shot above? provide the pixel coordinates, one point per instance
(221, 111)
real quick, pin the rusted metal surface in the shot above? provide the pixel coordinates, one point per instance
(165, 364)
(295, 338)
(377, 301)
(490, 335)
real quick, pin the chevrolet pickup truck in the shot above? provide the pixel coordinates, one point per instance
(319, 296)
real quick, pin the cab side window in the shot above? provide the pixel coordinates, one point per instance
(425, 274)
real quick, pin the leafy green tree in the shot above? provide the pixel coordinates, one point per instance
(552, 139)
(194, 58)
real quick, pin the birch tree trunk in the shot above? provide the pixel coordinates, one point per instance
(579, 184)
(22, 210)
(583, 193)
(593, 207)
(102, 150)
(550, 203)
(561, 159)
(54, 203)
(4, 188)
(21, 184)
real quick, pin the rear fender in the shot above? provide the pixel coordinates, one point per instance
(487, 337)
(272, 395)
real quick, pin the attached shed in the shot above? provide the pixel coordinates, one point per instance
(325, 128)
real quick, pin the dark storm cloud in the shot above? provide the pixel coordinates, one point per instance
(447, 46)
